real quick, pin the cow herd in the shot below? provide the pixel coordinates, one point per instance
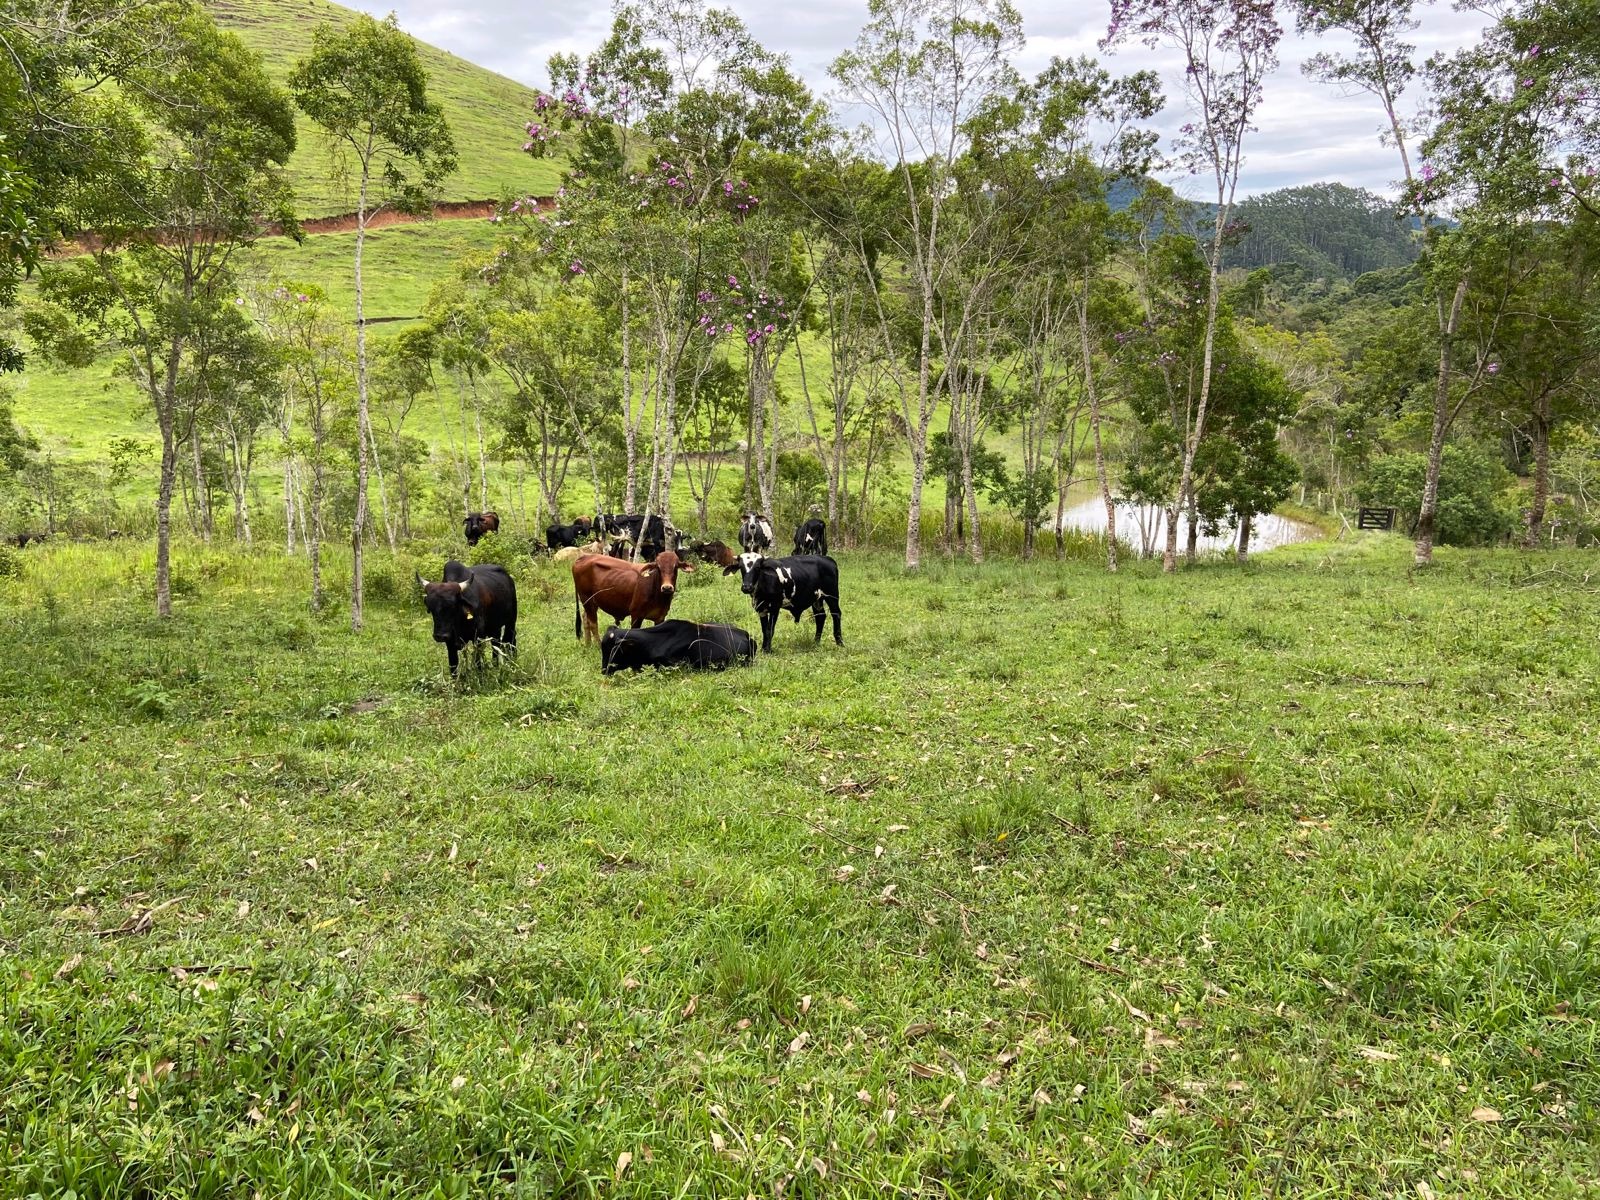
(629, 571)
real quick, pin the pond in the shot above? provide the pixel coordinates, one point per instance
(1144, 528)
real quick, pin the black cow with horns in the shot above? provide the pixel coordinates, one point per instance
(675, 644)
(794, 584)
(472, 604)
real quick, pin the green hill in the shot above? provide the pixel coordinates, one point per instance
(486, 111)
(1330, 230)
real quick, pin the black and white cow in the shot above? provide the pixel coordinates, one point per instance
(811, 537)
(630, 530)
(796, 584)
(675, 644)
(755, 533)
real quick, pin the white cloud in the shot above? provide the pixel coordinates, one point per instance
(1307, 131)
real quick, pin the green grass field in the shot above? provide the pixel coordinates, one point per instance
(486, 111)
(75, 413)
(1239, 883)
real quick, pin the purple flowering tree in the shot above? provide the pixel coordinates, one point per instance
(1228, 47)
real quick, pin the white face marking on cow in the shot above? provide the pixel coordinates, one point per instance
(749, 561)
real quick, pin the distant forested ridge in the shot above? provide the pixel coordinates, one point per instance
(1330, 229)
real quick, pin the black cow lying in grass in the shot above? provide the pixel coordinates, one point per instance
(675, 644)
(796, 584)
(472, 604)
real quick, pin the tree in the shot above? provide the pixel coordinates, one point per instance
(1243, 470)
(365, 86)
(200, 137)
(313, 349)
(925, 69)
(1517, 147)
(1470, 513)
(1381, 66)
(1228, 47)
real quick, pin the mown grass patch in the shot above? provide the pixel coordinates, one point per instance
(1275, 881)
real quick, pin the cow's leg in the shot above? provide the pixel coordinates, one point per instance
(769, 619)
(833, 607)
(591, 624)
(455, 658)
(821, 619)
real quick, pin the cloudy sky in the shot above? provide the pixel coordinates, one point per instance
(1308, 132)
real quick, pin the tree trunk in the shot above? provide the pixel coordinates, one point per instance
(669, 449)
(169, 477)
(483, 458)
(363, 424)
(202, 500)
(757, 453)
(288, 503)
(1428, 514)
(1192, 531)
(241, 499)
(383, 490)
(314, 529)
(1541, 474)
(1192, 442)
(1244, 537)
(630, 431)
(1092, 390)
(970, 493)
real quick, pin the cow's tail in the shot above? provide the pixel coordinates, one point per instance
(577, 615)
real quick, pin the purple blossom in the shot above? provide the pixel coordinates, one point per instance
(1492, 369)
(1427, 171)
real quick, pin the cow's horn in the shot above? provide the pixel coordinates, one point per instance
(421, 582)
(461, 584)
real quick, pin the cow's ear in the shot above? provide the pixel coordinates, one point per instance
(683, 566)
(650, 570)
(462, 584)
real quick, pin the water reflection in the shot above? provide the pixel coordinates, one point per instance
(1143, 526)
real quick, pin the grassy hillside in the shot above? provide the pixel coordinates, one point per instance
(486, 111)
(1245, 884)
(76, 413)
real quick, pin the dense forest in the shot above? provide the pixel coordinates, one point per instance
(1328, 230)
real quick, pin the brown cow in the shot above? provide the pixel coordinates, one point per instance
(637, 591)
(717, 554)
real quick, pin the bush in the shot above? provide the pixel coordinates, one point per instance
(1470, 486)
